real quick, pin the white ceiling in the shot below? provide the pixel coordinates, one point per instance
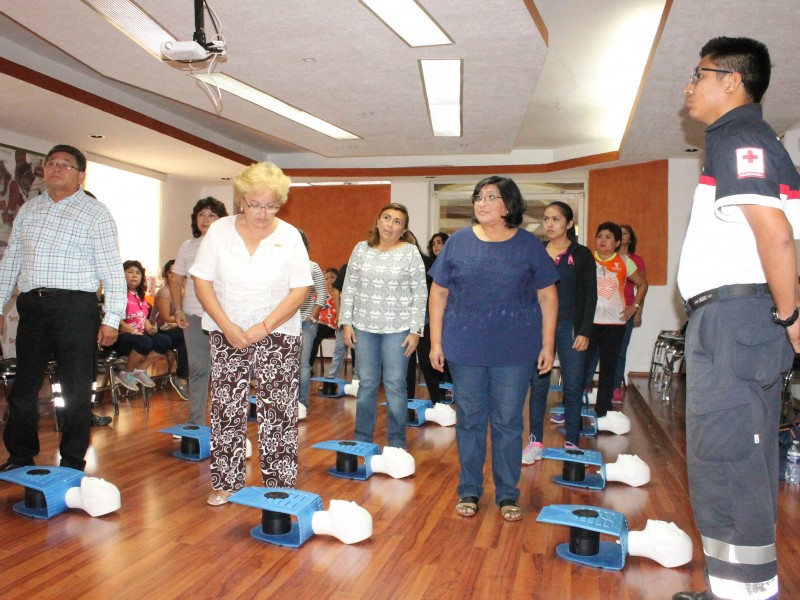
(525, 100)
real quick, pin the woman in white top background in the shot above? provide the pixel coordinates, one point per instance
(189, 312)
(251, 276)
(383, 314)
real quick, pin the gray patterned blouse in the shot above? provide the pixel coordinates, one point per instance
(384, 292)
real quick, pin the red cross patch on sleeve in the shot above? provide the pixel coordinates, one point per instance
(749, 162)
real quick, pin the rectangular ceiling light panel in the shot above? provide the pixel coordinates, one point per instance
(131, 20)
(259, 98)
(442, 80)
(408, 20)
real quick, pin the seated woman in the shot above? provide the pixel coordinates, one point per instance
(168, 325)
(138, 338)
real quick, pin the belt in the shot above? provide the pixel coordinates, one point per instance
(44, 292)
(726, 292)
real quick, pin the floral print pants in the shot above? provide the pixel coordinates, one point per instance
(273, 366)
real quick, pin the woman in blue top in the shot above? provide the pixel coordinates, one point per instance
(577, 297)
(493, 307)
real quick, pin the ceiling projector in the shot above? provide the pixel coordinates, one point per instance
(184, 51)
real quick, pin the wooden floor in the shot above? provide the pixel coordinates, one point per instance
(165, 542)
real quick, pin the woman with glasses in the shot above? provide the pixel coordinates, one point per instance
(251, 275)
(383, 314)
(188, 311)
(493, 307)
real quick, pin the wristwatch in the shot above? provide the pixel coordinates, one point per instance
(785, 322)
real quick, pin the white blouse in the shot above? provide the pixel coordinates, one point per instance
(250, 287)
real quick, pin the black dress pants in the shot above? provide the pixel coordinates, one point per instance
(63, 326)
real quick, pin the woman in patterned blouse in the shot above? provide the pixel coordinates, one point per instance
(383, 311)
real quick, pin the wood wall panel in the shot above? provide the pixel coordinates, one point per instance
(335, 218)
(636, 195)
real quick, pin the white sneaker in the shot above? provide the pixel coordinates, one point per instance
(302, 412)
(127, 380)
(144, 378)
(532, 452)
(351, 389)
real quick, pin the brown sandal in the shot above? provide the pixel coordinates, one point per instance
(467, 506)
(510, 510)
(218, 497)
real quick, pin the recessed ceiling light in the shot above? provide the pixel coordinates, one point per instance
(225, 178)
(410, 21)
(97, 136)
(133, 22)
(442, 81)
(691, 150)
(310, 59)
(279, 107)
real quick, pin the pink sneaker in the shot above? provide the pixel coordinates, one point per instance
(617, 397)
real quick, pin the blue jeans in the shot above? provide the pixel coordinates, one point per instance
(339, 355)
(306, 344)
(571, 362)
(376, 352)
(493, 397)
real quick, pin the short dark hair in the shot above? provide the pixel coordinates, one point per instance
(217, 207)
(79, 157)
(440, 234)
(746, 56)
(634, 240)
(512, 198)
(566, 212)
(615, 229)
(140, 289)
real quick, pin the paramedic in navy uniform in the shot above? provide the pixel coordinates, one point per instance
(738, 275)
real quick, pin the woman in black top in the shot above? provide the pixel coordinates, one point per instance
(577, 297)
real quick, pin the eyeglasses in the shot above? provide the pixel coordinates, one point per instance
(697, 75)
(259, 208)
(64, 166)
(488, 198)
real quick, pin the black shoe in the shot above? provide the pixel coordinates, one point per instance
(690, 596)
(98, 421)
(12, 464)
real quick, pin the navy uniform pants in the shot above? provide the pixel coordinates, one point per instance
(735, 355)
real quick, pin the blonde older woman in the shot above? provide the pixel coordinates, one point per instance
(251, 275)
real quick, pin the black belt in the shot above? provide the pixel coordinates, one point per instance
(44, 292)
(726, 292)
